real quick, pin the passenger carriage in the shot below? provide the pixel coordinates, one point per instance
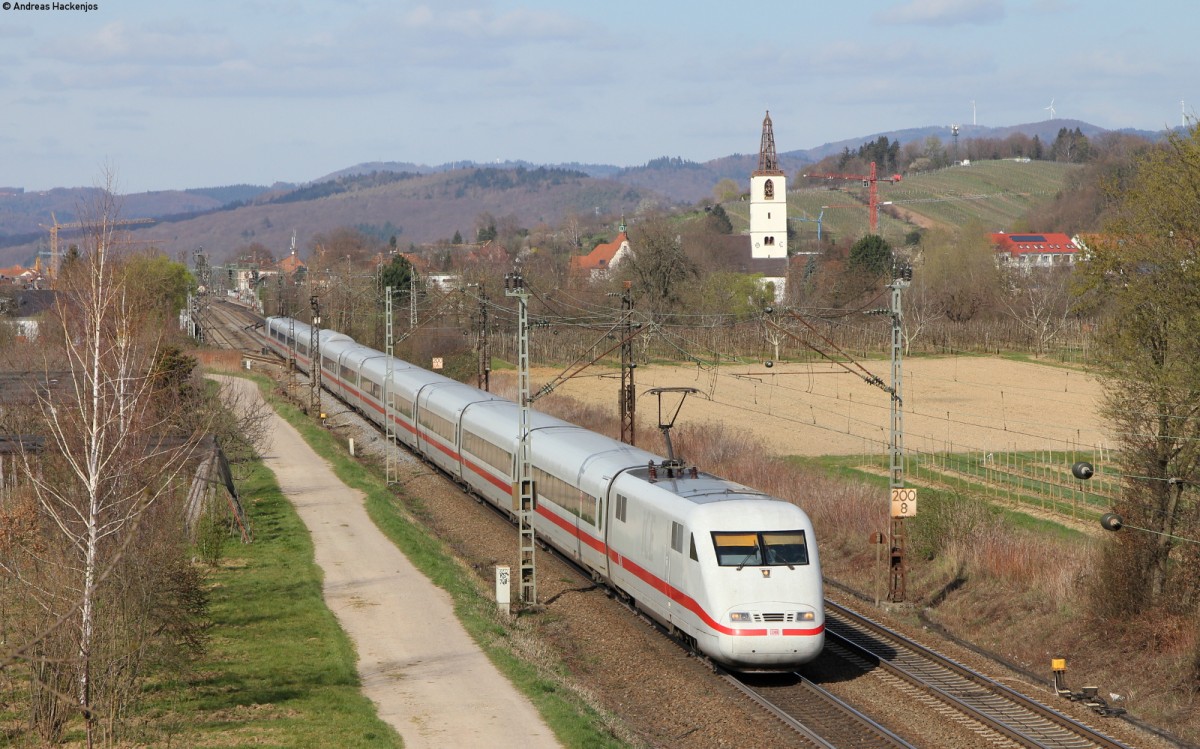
(440, 407)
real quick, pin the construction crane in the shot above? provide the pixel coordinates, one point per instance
(869, 181)
(56, 227)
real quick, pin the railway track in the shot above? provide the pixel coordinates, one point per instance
(955, 697)
(963, 693)
(230, 326)
(820, 718)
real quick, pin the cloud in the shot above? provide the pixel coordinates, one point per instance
(520, 25)
(122, 44)
(943, 13)
(15, 31)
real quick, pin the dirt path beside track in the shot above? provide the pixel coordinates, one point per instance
(417, 663)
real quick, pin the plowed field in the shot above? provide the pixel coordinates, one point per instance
(952, 403)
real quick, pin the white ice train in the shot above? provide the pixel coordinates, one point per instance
(733, 571)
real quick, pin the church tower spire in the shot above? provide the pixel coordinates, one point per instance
(768, 200)
(768, 162)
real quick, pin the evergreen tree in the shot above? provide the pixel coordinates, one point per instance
(719, 221)
(871, 256)
(397, 274)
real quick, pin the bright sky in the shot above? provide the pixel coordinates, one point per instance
(213, 92)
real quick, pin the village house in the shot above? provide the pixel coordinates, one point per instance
(599, 263)
(1029, 251)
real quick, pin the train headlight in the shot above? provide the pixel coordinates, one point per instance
(805, 616)
(741, 616)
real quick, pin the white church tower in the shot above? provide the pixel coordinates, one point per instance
(768, 201)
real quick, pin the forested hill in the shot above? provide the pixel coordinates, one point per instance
(416, 208)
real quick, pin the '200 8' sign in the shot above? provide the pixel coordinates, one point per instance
(904, 503)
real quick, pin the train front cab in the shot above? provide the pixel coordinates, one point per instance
(762, 579)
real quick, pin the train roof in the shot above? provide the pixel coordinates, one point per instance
(303, 331)
(697, 486)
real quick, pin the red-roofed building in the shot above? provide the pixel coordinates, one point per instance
(604, 258)
(11, 273)
(490, 253)
(290, 264)
(1046, 250)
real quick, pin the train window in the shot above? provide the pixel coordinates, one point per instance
(402, 405)
(490, 453)
(371, 387)
(566, 496)
(765, 548)
(302, 348)
(785, 547)
(619, 508)
(437, 424)
(347, 374)
(677, 537)
(737, 549)
(327, 363)
(692, 550)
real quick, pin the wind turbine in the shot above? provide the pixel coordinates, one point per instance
(1051, 108)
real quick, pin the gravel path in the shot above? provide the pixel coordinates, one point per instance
(420, 667)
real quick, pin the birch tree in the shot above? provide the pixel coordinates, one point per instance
(102, 485)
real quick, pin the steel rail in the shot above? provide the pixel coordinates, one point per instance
(1001, 708)
(821, 717)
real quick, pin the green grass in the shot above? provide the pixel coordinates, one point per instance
(965, 486)
(279, 671)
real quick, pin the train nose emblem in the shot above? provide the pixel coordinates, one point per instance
(766, 573)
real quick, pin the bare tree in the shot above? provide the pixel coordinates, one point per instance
(112, 459)
(1039, 300)
(658, 267)
(921, 309)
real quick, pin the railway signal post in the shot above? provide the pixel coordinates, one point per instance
(524, 491)
(314, 354)
(904, 501)
(204, 274)
(628, 397)
(389, 407)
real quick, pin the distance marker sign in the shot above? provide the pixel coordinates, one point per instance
(904, 503)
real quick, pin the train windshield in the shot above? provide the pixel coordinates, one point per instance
(766, 548)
